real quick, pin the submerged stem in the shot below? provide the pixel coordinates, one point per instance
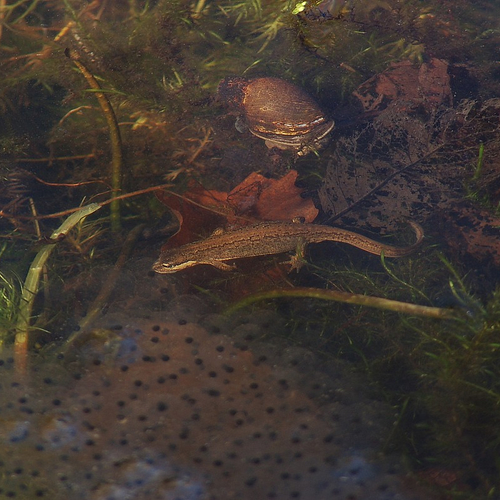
(111, 279)
(30, 287)
(114, 134)
(349, 298)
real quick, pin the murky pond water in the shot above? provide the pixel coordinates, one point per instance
(249, 249)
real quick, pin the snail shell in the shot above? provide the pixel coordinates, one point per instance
(277, 111)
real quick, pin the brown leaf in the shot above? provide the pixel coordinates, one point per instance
(428, 84)
(472, 232)
(281, 200)
(256, 198)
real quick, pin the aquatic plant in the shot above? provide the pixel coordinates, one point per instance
(30, 287)
(9, 305)
(459, 397)
(115, 139)
(348, 298)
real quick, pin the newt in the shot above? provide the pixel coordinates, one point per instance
(270, 238)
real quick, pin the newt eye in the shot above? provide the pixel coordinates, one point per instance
(161, 267)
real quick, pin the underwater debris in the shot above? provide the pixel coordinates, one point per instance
(427, 84)
(324, 10)
(168, 410)
(349, 298)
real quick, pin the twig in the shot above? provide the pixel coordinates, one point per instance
(67, 184)
(349, 298)
(57, 158)
(101, 204)
(137, 193)
(203, 143)
(131, 195)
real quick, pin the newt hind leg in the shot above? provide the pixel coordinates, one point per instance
(297, 260)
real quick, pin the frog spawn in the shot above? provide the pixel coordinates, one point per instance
(170, 411)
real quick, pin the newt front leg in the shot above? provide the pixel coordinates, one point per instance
(297, 260)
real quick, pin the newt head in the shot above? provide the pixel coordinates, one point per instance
(166, 267)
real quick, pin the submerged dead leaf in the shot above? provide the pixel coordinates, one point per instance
(428, 84)
(472, 231)
(201, 210)
(416, 159)
(281, 199)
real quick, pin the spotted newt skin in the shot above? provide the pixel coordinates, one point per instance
(269, 238)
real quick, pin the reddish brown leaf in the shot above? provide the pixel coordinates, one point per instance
(281, 200)
(403, 81)
(192, 215)
(257, 198)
